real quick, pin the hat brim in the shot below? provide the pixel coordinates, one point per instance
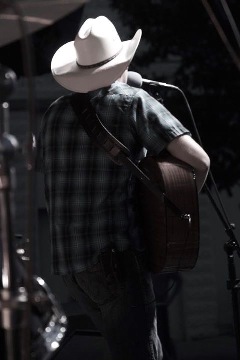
(69, 75)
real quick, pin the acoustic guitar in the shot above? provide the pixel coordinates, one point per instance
(172, 242)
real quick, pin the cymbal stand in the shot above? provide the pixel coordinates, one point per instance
(13, 298)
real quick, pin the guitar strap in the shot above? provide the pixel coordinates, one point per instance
(117, 152)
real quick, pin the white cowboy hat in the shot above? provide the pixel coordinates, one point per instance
(96, 58)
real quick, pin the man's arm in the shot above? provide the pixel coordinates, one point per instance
(188, 150)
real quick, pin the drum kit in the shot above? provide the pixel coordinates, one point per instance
(32, 323)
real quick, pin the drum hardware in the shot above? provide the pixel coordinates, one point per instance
(22, 248)
(33, 323)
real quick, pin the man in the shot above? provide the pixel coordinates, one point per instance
(90, 199)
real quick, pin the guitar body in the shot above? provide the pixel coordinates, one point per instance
(172, 243)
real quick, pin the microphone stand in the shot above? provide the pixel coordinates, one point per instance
(231, 246)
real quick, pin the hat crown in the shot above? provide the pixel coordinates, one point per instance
(96, 41)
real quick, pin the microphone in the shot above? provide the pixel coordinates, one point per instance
(135, 79)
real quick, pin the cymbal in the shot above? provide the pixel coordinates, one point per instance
(35, 14)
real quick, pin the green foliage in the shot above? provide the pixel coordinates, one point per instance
(181, 34)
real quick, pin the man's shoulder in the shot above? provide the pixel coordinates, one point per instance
(59, 111)
(58, 106)
(125, 90)
(63, 100)
(119, 87)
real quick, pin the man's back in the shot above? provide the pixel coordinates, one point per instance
(102, 211)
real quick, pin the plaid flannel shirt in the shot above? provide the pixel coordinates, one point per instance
(89, 198)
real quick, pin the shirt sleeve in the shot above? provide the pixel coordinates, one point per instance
(155, 125)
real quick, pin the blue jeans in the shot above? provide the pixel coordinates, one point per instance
(117, 294)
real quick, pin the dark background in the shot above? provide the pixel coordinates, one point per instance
(181, 35)
(180, 46)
